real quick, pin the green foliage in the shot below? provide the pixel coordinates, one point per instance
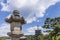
(30, 37)
(41, 37)
(52, 23)
(1, 38)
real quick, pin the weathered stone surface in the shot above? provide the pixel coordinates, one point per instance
(15, 38)
(15, 25)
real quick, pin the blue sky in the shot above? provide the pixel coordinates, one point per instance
(34, 11)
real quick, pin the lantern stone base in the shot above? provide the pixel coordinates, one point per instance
(15, 36)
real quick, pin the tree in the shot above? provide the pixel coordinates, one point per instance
(53, 23)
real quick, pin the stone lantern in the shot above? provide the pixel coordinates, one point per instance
(16, 22)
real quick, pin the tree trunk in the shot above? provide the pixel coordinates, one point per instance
(51, 37)
(55, 37)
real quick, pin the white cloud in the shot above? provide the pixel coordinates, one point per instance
(4, 29)
(30, 9)
(31, 30)
(4, 7)
(30, 20)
